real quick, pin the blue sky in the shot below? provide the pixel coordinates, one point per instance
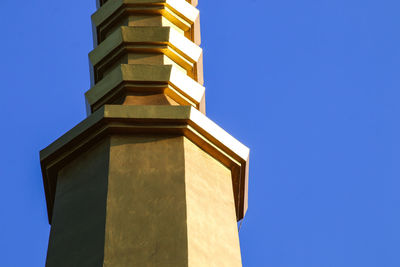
(312, 87)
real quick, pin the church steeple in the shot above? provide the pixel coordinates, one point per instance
(146, 179)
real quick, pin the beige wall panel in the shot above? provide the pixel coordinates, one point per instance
(146, 209)
(213, 239)
(151, 20)
(148, 99)
(79, 215)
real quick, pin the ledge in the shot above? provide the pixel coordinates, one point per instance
(181, 13)
(179, 120)
(101, 2)
(164, 40)
(147, 78)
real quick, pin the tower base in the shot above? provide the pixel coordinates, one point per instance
(145, 186)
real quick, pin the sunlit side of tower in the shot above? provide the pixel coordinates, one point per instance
(146, 179)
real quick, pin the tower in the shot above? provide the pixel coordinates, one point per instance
(146, 179)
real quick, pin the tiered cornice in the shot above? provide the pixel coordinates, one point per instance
(147, 32)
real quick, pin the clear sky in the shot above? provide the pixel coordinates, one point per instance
(311, 86)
